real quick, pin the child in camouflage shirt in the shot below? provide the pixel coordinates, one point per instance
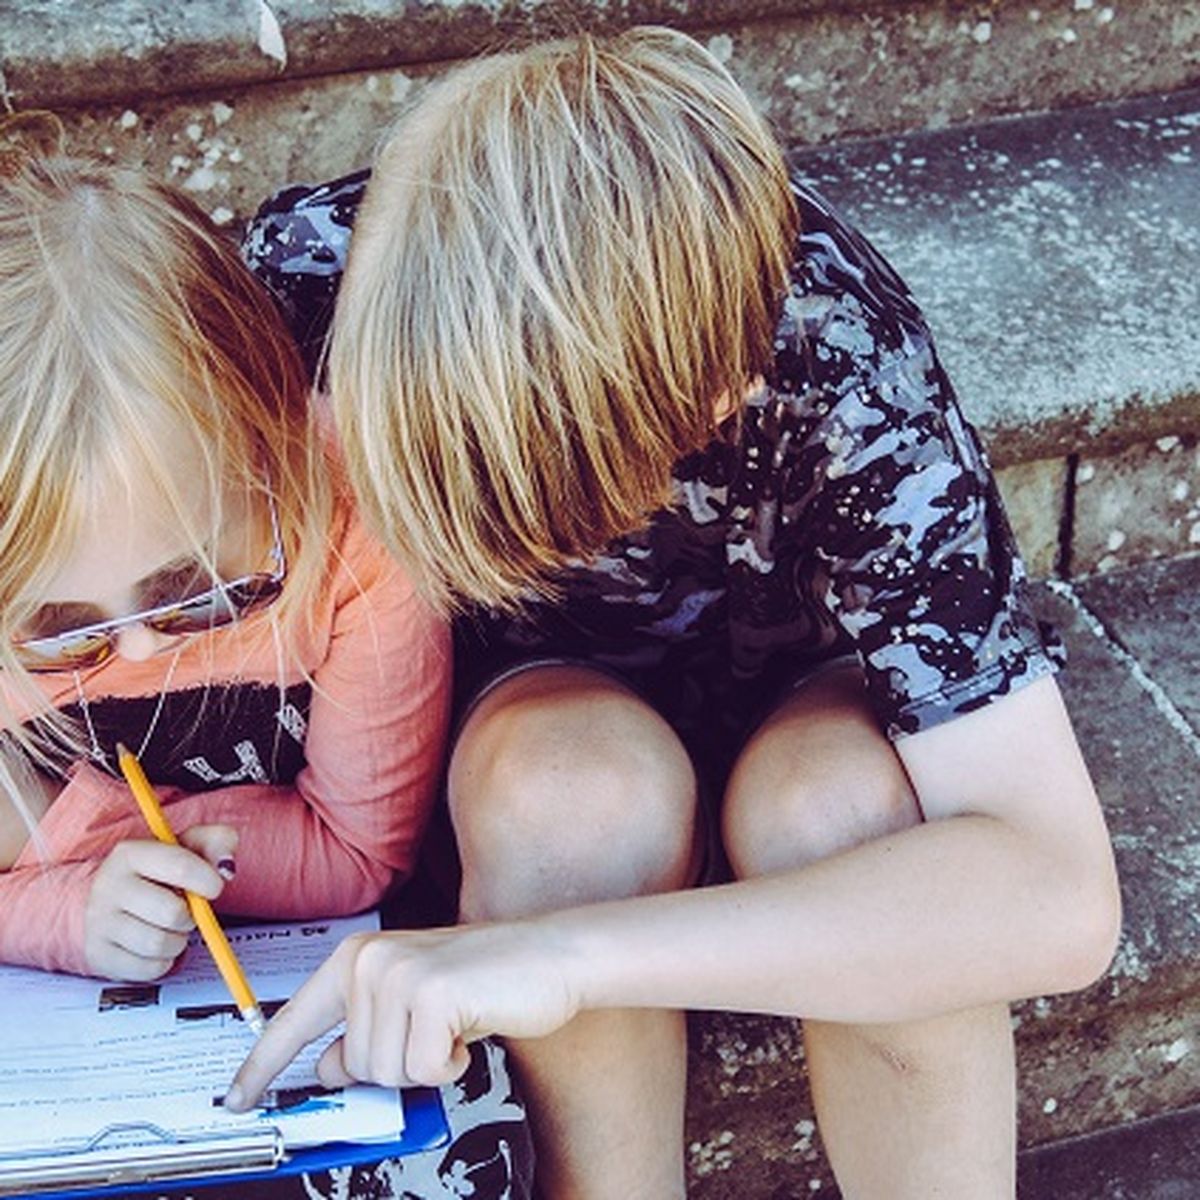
(674, 443)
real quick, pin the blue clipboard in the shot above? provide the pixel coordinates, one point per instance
(198, 1163)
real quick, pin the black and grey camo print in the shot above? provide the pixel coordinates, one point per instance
(853, 511)
(297, 244)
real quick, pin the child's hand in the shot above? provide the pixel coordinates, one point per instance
(136, 921)
(411, 1003)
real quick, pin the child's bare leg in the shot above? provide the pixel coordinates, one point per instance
(910, 1111)
(565, 788)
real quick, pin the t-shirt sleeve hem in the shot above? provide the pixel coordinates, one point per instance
(966, 695)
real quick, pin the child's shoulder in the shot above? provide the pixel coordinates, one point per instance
(305, 228)
(296, 245)
(836, 250)
(836, 268)
(849, 328)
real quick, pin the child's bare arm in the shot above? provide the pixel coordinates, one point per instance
(1007, 890)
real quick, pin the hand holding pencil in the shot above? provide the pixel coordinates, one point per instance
(201, 910)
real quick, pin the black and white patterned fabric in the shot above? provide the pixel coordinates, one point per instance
(488, 1155)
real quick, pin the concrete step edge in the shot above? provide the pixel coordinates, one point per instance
(1152, 1159)
(80, 53)
(821, 69)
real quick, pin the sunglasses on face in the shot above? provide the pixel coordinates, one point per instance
(215, 607)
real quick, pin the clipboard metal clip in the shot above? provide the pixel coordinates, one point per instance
(136, 1153)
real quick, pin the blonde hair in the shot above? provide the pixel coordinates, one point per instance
(125, 313)
(566, 255)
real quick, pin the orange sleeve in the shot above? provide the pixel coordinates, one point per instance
(374, 745)
(334, 841)
(43, 897)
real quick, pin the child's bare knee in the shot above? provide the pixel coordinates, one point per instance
(812, 818)
(558, 843)
(544, 822)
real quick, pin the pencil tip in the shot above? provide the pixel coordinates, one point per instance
(122, 749)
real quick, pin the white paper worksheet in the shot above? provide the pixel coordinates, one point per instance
(80, 1056)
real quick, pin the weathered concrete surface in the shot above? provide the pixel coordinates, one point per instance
(84, 53)
(1058, 259)
(1158, 1159)
(1154, 1159)
(1141, 504)
(1135, 506)
(822, 68)
(1035, 495)
(1154, 613)
(751, 1131)
(230, 152)
(1127, 1048)
(856, 69)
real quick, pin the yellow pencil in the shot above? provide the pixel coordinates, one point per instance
(202, 913)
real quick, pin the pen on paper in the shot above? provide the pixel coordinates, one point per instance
(202, 913)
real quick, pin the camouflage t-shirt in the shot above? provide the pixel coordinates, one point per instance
(852, 512)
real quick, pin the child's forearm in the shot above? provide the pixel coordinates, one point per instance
(1007, 890)
(951, 914)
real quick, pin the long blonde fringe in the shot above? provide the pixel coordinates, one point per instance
(565, 256)
(126, 313)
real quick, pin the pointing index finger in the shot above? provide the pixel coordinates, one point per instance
(315, 1009)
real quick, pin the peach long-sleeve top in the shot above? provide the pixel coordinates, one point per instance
(324, 755)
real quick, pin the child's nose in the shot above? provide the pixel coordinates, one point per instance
(138, 642)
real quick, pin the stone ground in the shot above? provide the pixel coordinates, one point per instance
(821, 69)
(1158, 1159)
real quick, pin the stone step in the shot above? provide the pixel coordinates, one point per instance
(1157, 1159)
(1154, 1159)
(1058, 260)
(823, 68)
(1058, 255)
(1127, 1048)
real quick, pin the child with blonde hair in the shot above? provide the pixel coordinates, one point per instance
(182, 570)
(674, 442)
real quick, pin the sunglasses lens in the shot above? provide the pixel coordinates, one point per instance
(196, 616)
(210, 610)
(63, 653)
(219, 607)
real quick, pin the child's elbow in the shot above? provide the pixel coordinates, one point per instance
(357, 890)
